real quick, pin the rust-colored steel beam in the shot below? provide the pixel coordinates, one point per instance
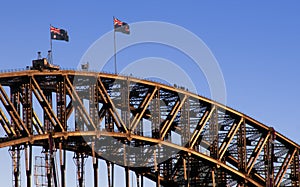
(111, 107)
(69, 110)
(242, 146)
(256, 152)
(61, 102)
(15, 117)
(206, 116)
(45, 104)
(142, 108)
(101, 114)
(37, 123)
(26, 100)
(76, 99)
(6, 125)
(284, 166)
(168, 122)
(229, 137)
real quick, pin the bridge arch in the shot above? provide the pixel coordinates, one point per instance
(165, 133)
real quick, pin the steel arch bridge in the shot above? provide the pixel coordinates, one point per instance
(167, 134)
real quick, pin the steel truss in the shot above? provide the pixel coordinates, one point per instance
(166, 134)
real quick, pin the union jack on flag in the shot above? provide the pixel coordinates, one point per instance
(59, 34)
(121, 26)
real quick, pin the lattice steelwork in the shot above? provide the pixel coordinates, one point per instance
(166, 134)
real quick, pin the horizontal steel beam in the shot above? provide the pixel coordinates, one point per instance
(196, 154)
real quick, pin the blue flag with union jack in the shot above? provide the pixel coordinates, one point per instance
(59, 34)
(121, 26)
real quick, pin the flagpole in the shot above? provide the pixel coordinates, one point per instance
(51, 57)
(115, 53)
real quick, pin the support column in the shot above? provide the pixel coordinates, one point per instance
(157, 170)
(125, 110)
(82, 171)
(93, 104)
(108, 174)
(188, 170)
(48, 168)
(95, 167)
(62, 158)
(242, 147)
(79, 161)
(295, 170)
(269, 157)
(15, 151)
(213, 177)
(155, 115)
(142, 180)
(137, 179)
(17, 168)
(158, 179)
(54, 171)
(27, 106)
(185, 122)
(127, 172)
(217, 177)
(15, 155)
(113, 174)
(28, 162)
(61, 103)
(242, 154)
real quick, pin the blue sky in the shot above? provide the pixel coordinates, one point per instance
(256, 44)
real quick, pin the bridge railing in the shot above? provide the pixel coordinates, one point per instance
(12, 70)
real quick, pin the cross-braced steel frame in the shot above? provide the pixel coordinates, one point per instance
(166, 134)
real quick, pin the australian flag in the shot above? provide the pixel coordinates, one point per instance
(121, 26)
(59, 34)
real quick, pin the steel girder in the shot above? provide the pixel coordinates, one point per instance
(167, 134)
